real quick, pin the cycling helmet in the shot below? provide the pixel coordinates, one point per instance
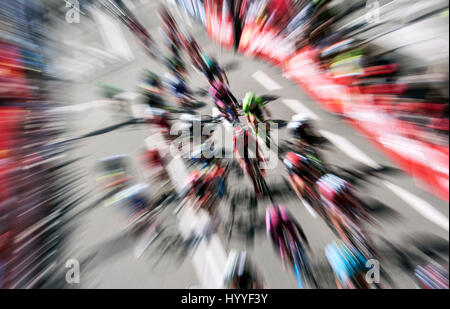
(345, 261)
(248, 101)
(300, 118)
(331, 185)
(294, 125)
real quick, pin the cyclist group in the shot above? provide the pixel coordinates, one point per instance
(331, 197)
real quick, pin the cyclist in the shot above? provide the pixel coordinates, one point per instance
(225, 101)
(152, 80)
(212, 70)
(118, 8)
(253, 107)
(348, 264)
(220, 91)
(279, 226)
(175, 66)
(206, 128)
(338, 194)
(114, 172)
(134, 202)
(155, 164)
(241, 273)
(152, 88)
(180, 90)
(346, 212)
(301, 129)
(206, 187)
(170, 30)
(303, 176)
(242, 140)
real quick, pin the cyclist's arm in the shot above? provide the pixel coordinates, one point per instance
(263, 106)
(269, 114)
(247, 116)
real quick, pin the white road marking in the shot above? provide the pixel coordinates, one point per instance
(209, 259)
(266, 81)
(112, 35)
(298, 107)
(421, 206)
(83, 107)
(128, 96)
(349, 149)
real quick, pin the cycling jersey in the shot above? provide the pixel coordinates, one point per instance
(299, 130)
(223, 98)
(345, 262)
(278, 220)
(331, 186)
(242, 140)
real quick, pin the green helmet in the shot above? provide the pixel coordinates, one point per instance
(248, 102)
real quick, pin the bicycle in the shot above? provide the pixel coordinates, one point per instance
(259, 182)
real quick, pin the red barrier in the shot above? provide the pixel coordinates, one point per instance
(12, 81)
(305, 71)
(265, 43)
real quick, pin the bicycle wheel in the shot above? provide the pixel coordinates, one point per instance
(303, 260)
(292, 256)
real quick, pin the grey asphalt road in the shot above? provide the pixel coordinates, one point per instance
(406, 212)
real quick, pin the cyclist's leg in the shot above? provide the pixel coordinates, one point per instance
(252, 175)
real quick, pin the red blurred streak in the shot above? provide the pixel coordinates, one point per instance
(117, 182)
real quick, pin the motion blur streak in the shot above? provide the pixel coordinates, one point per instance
(134, 138)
